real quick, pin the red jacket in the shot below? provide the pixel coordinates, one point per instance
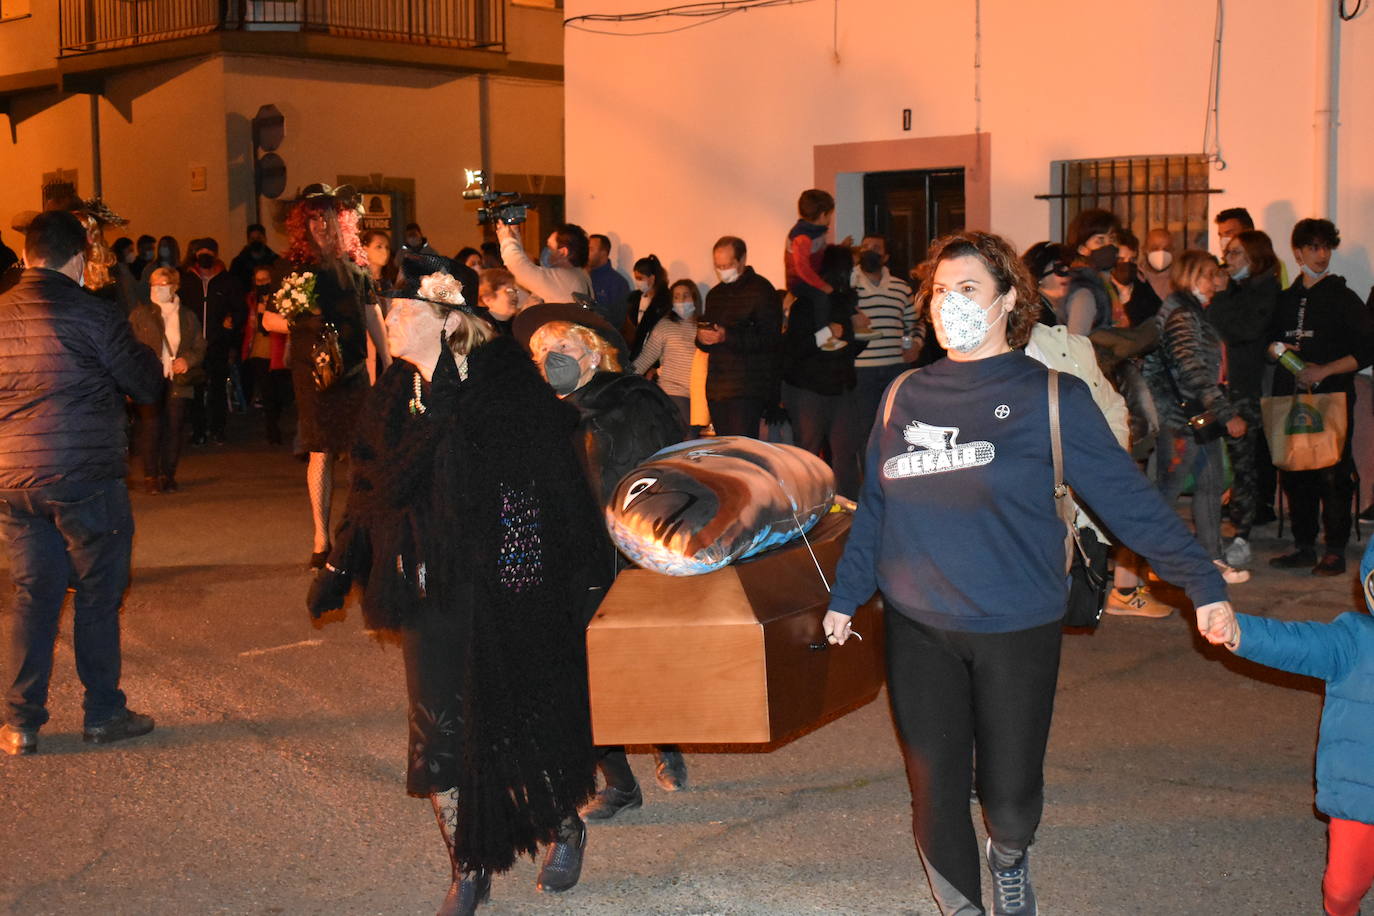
(250, 328)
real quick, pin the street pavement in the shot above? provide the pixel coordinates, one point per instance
(1179, 779)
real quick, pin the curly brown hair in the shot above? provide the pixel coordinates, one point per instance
(1009, 272)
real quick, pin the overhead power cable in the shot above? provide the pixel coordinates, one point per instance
(687, 16)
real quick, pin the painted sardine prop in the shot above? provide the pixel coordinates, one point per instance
(695, 507)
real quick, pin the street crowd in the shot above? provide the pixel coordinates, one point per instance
(489, 404)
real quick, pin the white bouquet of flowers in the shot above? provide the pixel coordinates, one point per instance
(296, 296)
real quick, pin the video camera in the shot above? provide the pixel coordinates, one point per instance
(502, 206)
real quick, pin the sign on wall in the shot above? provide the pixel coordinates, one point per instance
(376, 211)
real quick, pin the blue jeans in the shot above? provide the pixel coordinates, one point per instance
(66, 533)
(1205, 463)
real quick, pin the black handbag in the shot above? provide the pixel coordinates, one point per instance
(326, 359)
(1085, 554)
(1202, 423)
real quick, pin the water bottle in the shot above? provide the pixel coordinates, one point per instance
(1287, 358)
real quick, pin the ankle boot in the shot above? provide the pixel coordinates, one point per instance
(469, 889)
(466, 893)
(563, 863)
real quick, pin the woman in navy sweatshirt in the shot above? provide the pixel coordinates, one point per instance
(957, 527)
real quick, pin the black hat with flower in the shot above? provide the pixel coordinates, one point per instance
(437, 280)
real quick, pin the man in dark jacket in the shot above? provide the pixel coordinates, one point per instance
(215, 297)
(255, 254)
(67, 360)
(741, 328)
(1325, 323)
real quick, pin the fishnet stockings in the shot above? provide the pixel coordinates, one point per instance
(319, 481)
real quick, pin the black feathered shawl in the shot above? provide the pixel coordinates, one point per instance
(478, 508)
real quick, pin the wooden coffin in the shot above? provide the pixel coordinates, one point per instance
(735, 656)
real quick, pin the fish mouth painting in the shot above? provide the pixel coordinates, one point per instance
(695, 507)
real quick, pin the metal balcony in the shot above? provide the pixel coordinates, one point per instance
(102, 25)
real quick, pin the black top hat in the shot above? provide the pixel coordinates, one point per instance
(437, 280)
(536, 316)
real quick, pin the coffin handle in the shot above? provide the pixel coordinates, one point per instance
(818, 646)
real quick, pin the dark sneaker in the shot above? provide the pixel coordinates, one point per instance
(1302, 558)
(16, 741)
(128, 724)
(610, 801)
(671, 771)
(1012, 893)
(1332, 564)
(563, 863)
(466, 894)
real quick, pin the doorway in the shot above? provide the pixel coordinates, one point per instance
(912, 208)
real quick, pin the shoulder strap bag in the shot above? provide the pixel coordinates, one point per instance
(1085, 556)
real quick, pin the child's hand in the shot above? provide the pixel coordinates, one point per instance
(1217, 624)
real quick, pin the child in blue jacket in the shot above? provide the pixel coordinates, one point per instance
(1342, 654)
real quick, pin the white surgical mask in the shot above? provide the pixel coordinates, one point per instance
(1197, 294)
(1242, 273)
(684, 309)
(163, 294)
(1160, 260)
(1315, 275)
(729, 275)
(642, 285)
(965, 322)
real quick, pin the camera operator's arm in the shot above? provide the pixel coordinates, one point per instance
(528, 274)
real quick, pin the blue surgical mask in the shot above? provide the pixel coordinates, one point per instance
(562, 371)
(1314, 274)
(546, 256)
(1242, 273)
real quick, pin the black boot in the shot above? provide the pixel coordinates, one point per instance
(563, 862)
(671, 770)
(469, 889)
(466, 893)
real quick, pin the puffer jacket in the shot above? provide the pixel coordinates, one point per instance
(1342, 654)
(67, 360)
(748, 362)
(1187, 363)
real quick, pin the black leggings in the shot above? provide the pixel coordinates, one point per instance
(952, 692)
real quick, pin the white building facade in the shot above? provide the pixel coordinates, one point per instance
(675, 139)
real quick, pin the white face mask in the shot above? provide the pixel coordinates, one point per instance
(1242, 273)
(1199, 296)
(964, 321)
(642, 285)
(684, 309)
(163, 295)
(1314, 274)
(729, 275)
(1160, 260)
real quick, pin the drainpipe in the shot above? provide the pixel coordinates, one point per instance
(97, 179)
(1327, 109)
(484, 123)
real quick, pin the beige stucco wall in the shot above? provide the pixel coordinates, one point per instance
(159, 122)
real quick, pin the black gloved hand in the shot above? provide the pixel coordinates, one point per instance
(328, 591)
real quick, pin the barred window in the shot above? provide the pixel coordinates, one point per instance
(1145, 192)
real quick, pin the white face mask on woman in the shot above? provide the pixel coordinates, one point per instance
(163, 295)
(684, 309)
(964, 321)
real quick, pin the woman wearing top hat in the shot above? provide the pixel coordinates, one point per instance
(625, 418)
(323, 226)
(467, 531)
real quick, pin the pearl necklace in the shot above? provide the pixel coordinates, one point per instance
(417, 405)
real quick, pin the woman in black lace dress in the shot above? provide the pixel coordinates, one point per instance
(467, 531)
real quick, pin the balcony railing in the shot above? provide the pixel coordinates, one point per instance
(101, 25)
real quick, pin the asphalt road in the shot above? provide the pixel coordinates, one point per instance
(1179, 779)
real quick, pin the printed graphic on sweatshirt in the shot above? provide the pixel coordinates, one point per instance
(933, 450)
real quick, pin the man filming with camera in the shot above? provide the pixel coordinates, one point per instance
(560, 276)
